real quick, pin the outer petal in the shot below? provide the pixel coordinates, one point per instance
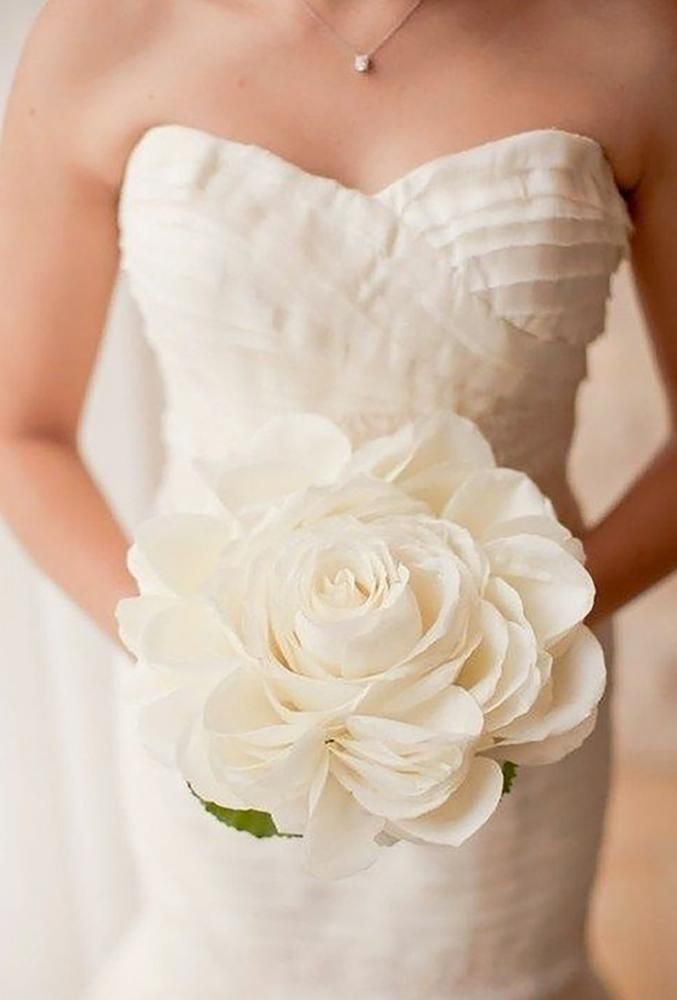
(269, 778)
(339, 838)
(177, 553)
(169, 725)
(491, 496)
(239, 705)
(556, 590)
(442, 436)
(186, 634)
(398, 768)
(533, 524)
(288, 453)
(196, 765)
(576, 688)
(134, 615)
(464, 812)
(362, 497)
(427, 457)
(164, 722)
(292, 817)
(549, 750)
(267, 762)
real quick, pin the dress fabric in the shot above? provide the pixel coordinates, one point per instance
(475, 282)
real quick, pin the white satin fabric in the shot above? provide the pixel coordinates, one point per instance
(477, 281)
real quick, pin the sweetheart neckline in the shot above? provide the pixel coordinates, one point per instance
(453, 156)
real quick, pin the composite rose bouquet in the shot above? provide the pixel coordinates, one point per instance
(361, 644)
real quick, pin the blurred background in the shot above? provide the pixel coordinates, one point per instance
(68, 888)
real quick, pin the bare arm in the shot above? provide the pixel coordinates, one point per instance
(58, 262)
(635, 545)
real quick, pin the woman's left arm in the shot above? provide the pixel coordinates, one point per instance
(635, 545)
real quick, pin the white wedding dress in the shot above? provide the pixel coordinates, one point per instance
(268, 289)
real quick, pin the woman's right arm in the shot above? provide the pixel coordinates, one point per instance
(58, 264)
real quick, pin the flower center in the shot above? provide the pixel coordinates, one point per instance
(342, 590)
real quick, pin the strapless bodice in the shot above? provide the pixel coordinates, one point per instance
(474, 282)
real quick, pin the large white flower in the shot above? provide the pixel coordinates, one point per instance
(364, 635)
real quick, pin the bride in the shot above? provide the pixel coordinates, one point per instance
(281, 182)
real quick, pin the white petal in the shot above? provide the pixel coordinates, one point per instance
(576, 687)
(406, 768)
(464, 812)
(447, 598)
(521, 696)
(360, 497)
(519, 664)
(134, 614)
(506, 599)
(556, 590)
(278, 776)
(239, 705)
(339, 838)
(196, 766)
(366, 642)
(289, 452)
(186, 633)
(549, 750)
(428, 456)
(417, 780)
(293, 693)
(535, 525)
(482, 670)
(397, 696)
(453, 712)
(164, 722)
(178, 552)
(428, 440)
(292, 816)
(268, 762)
(491, 496)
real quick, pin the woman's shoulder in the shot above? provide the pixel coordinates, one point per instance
(77, 34)
(645, 73)
(628, 48)
(74, 75)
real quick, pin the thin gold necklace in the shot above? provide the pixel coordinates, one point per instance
(362, 61)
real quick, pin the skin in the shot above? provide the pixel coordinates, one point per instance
(95, 74)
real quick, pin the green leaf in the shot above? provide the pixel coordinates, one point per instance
(258, 824)
(509, 771)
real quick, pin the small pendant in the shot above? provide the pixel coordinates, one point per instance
(362, 62)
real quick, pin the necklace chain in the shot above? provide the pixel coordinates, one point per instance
(361, 60)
